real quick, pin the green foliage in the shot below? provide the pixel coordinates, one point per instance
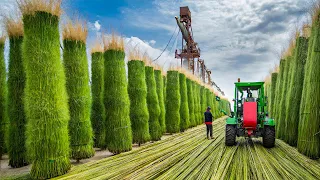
(164, 90)
(78, 89)
(203, 100)
(98, 113)
(159, 83)
(173, 102)
(16, 83)
(46, 103)
(309, 122)
(3, 95)
(274, 77)
(137, 89)
(198, 104)
(155, 129)
(191, 104)
(295, 91)
(117, 104)
(278, 95)
(282, 105)
(184, 108)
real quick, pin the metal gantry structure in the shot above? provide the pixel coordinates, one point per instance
(190, 52)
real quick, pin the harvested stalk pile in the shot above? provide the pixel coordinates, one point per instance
(153, 105)
(277, 100)
(191, 102)
(274, 77)
(3, 95)
(116, 98)
(184, 108)
(97, 85)
(309, 123)
(46, 103)
(137, 89)
(16, 83)
(179, 157)
(159, 82)
(78, 89)
(295, 91)
(172, 102)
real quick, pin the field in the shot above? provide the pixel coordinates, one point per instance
(189, 155)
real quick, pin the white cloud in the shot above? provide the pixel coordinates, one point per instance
(152, 42)
(97, 25)
(238, 38)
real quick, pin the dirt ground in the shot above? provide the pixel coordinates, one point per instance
(7, 171)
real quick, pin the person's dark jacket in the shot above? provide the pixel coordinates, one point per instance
(208, 117)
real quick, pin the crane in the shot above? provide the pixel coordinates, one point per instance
(190, 50)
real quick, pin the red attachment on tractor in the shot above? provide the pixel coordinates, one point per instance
(250, 116)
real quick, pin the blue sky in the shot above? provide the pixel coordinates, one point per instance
(238, 38)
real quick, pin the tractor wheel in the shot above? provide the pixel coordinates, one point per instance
(230, 135)
(269, 136)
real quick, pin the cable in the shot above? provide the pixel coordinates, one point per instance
(166, 45)
(172, 46)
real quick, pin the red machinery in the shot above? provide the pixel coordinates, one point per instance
(250, 116)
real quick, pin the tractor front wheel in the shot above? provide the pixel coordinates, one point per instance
(269, 136)
(230, 135)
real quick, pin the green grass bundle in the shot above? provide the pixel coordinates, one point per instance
(200, 111)
(164, 90)
(191, 103)
(184, 107)
(159, 82)
(309, 122)
(3, 95)
(197, 113)
(295, 91)
(16, 83)
(209, 98)
(116, 98)
(278, 95)
(203, 99)
(173, 102)
(137, 89)
(284, 90)
(98, 114)
(153, 105)
(46, 99)
(274, 77)
(78, 89)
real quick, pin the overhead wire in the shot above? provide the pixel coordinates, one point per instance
(166, 45)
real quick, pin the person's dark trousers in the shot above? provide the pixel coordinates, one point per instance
(209, 130)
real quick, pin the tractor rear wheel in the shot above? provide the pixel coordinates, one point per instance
(269, 136)
(230, 135)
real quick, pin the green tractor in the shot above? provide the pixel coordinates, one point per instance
(249, 118)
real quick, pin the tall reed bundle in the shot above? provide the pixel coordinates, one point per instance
(137, 89)
(278, 94)
(295, 91)
(77, 76)
(191, 98)
(16, 138)
(173, 102)
(116, 98)
(282, 105)
(98, 114)
(309, 122)
(274, 77)
(159, 83)
(184, 108)
(3, 95)
(153, 105)
(46, 103)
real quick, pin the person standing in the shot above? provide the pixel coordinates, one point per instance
(208, 121)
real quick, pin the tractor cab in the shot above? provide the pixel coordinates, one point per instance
(250, 118)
